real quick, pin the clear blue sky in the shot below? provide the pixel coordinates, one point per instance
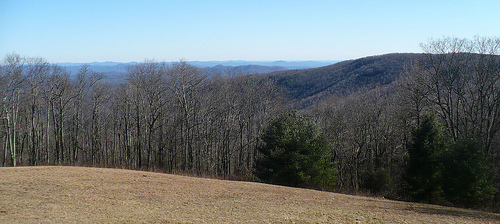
(124, 31)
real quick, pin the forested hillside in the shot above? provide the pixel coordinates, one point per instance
(342, 78)
(362, 125)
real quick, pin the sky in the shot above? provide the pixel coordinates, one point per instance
(83, 31)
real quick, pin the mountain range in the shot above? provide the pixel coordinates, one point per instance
(314, 82)
(233, 63)
(116, 71)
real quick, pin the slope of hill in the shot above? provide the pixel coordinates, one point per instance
(95, 195)
(342, 78)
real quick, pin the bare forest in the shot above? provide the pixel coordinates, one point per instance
(169, 118)
(173, 118)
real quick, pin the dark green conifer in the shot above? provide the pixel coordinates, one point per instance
(295, 154)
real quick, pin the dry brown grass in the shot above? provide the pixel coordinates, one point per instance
(93, 195)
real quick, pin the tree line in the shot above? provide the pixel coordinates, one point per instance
(406, 140)
(381, 140)
(167, 117)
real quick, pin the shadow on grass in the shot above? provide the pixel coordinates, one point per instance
(458, 212)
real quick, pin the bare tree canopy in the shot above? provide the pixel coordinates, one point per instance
(174, 118)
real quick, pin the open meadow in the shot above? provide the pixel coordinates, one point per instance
(94, 195)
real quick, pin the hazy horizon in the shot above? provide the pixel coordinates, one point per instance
(128, 31)
(201, 61)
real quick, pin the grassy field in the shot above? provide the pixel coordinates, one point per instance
(94, 195)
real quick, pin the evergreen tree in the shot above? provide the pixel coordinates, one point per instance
(423, 173)
(295, 153)
(440, 171)
(467, 180)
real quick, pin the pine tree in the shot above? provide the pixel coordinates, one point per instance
(423, 173)
(467, 180)
(294, 154)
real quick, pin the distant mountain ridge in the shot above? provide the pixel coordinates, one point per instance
(116, 71)
(232, 63)
(281, 63)
(304, 85)
(243, 69)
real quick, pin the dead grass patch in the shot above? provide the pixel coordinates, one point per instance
(94, 195)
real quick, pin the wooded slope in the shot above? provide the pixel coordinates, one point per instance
(343, 78)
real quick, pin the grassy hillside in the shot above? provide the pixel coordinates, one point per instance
(83, 195)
